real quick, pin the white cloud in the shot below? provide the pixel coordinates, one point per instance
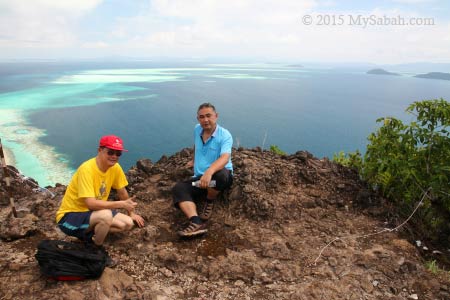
(207, 28)
(376, 43)
(41, 23)
(413, 1)
(214, 27)
(94, 45)
(70, 6)
(44, 7)
(268, 29)
(233, 14)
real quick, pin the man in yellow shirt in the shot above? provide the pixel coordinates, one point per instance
(85, 212)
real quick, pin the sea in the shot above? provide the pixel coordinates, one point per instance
(52, 114)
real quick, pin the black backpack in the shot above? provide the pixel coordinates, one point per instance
(61, 260)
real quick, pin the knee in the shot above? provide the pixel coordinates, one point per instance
(221, 175)
(177, 189)
(224, 179)
(181, 192)
(128, 224)
(124, 224)
(104, 216)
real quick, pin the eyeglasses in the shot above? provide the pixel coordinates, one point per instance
(111, 152)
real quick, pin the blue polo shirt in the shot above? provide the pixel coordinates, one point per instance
(219, 142)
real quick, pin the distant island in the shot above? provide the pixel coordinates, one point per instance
(295, 66)
(435, 75)
(381, 72)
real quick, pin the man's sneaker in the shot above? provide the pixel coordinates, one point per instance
(207, 211)
(193, 229)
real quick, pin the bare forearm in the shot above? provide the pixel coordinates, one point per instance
(123, 194)
(95, 204)
(126, 203)
(219, 164)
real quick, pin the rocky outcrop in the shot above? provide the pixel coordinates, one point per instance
(21, 185)
(291, 227)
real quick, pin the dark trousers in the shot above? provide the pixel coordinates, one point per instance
(184, 191)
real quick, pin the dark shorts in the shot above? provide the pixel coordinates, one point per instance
(76, 223)
(184, 191)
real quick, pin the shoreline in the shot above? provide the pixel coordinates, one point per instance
(9, 156)
(27, 154)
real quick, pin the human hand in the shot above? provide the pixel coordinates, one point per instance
(137, 219)
(204, 180)
(129, 204)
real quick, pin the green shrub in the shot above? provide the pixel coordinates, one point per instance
(403, 161)
(275, 149)
(432, 266)
(352, 159)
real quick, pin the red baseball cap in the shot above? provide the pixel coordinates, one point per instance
(112, 142)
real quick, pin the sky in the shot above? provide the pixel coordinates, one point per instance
(381, 31)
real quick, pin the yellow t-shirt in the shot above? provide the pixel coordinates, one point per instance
(89, 181)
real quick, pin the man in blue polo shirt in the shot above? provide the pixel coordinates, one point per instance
(212, 163)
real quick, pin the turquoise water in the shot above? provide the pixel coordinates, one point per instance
(52, 115)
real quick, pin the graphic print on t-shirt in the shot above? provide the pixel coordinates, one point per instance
(102, 190)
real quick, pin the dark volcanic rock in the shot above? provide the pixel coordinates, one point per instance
(267, 239)
(20, 186)
(145, 165)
